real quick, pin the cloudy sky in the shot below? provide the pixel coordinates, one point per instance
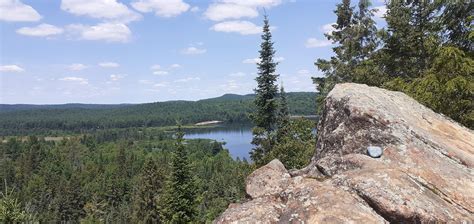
(135, 51)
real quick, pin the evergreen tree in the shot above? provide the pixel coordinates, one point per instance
(355, 37)
(179, 203)
(267, 90)
(457, 22)
(146, 207)
(412, 37)
(283, 114)
(10, 208)
(265, 116)
(296, 147)
(447, 87)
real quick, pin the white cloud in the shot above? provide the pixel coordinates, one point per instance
(257, 60)
(175, 66)
(116, 77)
(313, 42)
(237, 74)
(160, 73)
(381, 11)
(188, 79)
(41, 30)
(328, 28)
(77, 67)
(193, 50)
(219, 12)
(255, 3)
(109, 64)
(236, 9)
(79, 80)
(16, 11)
(11, 68)
(237, 26)
(110, 32)
(158, 70)
(110, 10)
(251, 61)
(163, 8)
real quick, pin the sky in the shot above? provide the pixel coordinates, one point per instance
(137, 51)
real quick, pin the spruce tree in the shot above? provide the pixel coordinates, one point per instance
(179, 202)
(265, 116)
(146, 206)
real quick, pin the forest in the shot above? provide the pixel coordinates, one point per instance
(116, 169)
(114, 177)
(76, 118)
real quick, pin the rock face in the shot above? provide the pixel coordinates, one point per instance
(424, 175)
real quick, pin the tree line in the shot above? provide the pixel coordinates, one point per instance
(425, 50)
(69, 120)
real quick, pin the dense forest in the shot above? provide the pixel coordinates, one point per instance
(74, 118)
(425, 50)
(116, 177)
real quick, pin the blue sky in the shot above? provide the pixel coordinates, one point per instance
(135, 51)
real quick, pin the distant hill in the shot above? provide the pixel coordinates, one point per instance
(23, 119)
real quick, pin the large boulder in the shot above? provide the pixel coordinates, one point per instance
(380, 157)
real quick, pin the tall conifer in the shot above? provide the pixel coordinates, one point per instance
(265, 116)
(179, 203)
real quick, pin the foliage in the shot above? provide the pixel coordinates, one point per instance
(355, 36)
(447, 87)
(179, 201)
(108, 177)
(72, 119)
(266, 104)
(10, 209)
(146, 198)
(425, 51)
(296, 147)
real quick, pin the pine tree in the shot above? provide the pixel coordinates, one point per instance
(179, 201)
(265, 116)
(146, 206)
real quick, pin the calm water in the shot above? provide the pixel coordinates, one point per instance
(237, 138)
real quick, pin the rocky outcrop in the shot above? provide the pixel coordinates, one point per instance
(423, 173)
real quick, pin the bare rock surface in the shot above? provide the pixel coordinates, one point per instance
(269, 179)
(425, 174)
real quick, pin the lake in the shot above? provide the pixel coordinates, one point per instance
(237, 138)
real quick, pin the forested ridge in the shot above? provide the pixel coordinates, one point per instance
(58, 119)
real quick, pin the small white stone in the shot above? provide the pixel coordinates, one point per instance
(374, 151)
